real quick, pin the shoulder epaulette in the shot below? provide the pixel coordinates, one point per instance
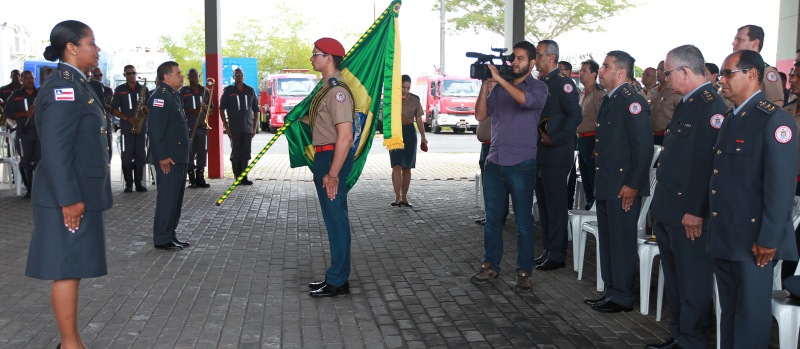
(766, 106)
(163, 90)
(562, 75)
(66, 75)
(626, 91)
(413, 95)
(333, 82)
(708, 96)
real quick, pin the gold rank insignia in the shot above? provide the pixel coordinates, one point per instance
(66, 75)
(708, 96)
(766, 106)
(91, 100)
(561, 75)
(626, 91)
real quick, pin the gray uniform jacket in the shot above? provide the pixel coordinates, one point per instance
(624, 144)
(753, 182)
(684, 166)
(72, 126)
(169, 135)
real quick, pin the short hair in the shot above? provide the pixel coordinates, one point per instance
(688, 56)
(550, 48)
(337, 61)
(27, 72)
(751, 60)
(70, 31)
(783, 76)
(712, 68)
(623, 60)
(129, 66)
(164, 69)
(797, 63)
(193, 70)
(406, 78)
(593, 66)
(530, 50)
(755, 32)
(566, 64)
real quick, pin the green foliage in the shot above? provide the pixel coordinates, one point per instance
(544, 19)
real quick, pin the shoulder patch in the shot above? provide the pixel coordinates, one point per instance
(772, 76)
(568, 88)
(341, 97)
(66, 94)
(716, 121)
(708, 96)
(158, 102)
(783, 134)
(635, 108)
(766, 106)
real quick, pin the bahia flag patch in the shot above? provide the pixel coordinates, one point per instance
(65, 94)
(158, 102)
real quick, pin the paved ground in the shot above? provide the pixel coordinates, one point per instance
(242, 284)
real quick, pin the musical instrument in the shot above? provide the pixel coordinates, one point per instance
(543, 125)
(141, 113)
(204, 108)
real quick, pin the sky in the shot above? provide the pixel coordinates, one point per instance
(647, 32)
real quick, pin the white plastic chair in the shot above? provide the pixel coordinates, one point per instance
(776, 276)
(479, 190)
(787, 312)
(10, 162)
(576, 220)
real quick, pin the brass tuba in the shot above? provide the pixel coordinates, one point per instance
(204, 108)
(142, 112)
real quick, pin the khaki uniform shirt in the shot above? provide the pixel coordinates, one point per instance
(590, 105)
(650, 94)
(663, 106)
(771, 84)
(411, 108)
(336, 107)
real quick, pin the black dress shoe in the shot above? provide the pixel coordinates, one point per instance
(128, 190)
(170, 246)
(541, 259)
(550, 265)
(181, 243)
(611, 307)
(316, 285)
(330, 291)
(141, 189)
(669, 343)
(595, 301)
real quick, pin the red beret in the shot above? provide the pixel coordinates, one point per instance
(330, 46)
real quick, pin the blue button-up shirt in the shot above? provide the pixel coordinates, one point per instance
(514, 125)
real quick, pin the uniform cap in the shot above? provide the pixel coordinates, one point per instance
(330, 46)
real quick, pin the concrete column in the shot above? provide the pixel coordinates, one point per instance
(216, 162)
(514, 23)
(788, 35)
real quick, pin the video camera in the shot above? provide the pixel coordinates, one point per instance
(480, 69)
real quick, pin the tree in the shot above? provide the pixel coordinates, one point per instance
(544, 19)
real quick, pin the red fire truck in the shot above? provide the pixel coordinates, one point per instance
(280, 93)
(449, 101)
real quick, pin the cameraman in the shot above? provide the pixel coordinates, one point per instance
(510, 167)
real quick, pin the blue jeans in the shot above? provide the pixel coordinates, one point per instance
(498, 182)
(336, 217)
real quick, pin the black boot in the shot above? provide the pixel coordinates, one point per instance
(192, 180)
(27, 178)
(236, 169)
(243, 166)
(200, 180)
(138, 177)
(127, 174)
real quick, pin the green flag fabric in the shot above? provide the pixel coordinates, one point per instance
(369, 70)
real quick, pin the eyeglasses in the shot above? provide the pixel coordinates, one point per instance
(314, 54)
(97, 75)
(667, 72)
(727, 72)
(130, 74)
(238, 74)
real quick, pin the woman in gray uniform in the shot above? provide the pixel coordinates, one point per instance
(73, 186)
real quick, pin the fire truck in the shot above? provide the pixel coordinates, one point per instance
(449, 101)
(280, 93)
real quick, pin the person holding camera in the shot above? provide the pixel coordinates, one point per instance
(510, 168)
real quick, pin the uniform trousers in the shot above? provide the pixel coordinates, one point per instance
(688, 282)
(551, 197)
(336, 216)
(241, 143)
(198, 153)
(586, 166)
(618, 248)
(745, 297)
(133, 150)
(171, 187)
(499, 182)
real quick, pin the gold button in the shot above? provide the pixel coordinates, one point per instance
(691, 99)
(668, 131)
(738, 149)
(596, 140)
(679, 193)
(713, 192)
(713, 214)
(715, 171)
(620, 170)
(719, 151)
(597, 168)
(752, 220)
(597, 125)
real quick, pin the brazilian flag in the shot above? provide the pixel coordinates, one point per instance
(371, 69)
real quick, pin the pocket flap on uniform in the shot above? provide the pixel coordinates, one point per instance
(95, 171)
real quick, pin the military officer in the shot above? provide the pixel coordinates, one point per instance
(662, 104)
(240, 103)
(20, 107)
(650, 83)
(590, 105)
(169, 152)
(560, 118)
(331, 120)
(105, 93)
(14, 85)
(680, 202)
(623, 150)
(751, 37)
(712, 75)
(754, 170)
(124, 105)
(195, 97)
(793, 108)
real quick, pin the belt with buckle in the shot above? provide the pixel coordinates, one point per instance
(325, 147)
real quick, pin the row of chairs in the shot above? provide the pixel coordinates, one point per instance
(9, 162)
